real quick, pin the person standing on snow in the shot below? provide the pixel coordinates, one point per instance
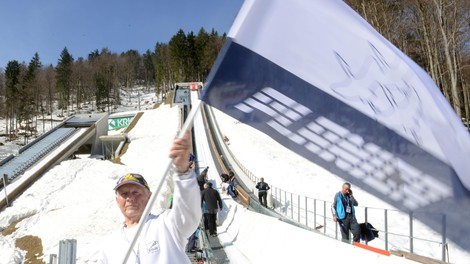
(202, 178)
(231, 182)
(263, 192)
(343, 213)
(192, 159)
(211, 201)
(164, 236)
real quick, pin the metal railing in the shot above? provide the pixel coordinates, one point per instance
(67, 252)
(206, 254)
(315, 214)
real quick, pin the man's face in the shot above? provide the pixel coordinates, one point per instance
(132, 199)
(345, 189)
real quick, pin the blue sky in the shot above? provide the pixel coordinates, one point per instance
(47, 26)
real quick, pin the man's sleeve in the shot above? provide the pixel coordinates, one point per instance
(221, 206)
(186, 213)
(202, 198)
(354, 201)
(333, 205)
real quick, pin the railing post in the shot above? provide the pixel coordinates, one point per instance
(365, 219)
(365, 213)
(291, 205)
(298, 208)
(68, 251)
(52, 259)
(386, 228)
(5, 182)
(324, 218)
(411, 232)
(444, 235)
(306, 211)
(285, 202)
(274, 197)
(315, 213)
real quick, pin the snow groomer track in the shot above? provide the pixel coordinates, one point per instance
(76, 134)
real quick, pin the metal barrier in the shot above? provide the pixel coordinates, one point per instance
(206, 255)
(33, 152)
(5, 183)
(52, 259)
(68, 251)
(316, 214)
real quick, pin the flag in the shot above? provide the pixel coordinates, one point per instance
(317, 78)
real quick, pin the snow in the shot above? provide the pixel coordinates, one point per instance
(75, 200)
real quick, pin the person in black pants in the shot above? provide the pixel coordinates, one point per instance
(211, 201)
(343, 213)
(202, 178)
(262, 192)
(191, 246)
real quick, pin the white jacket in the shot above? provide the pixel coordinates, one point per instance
(164, 237)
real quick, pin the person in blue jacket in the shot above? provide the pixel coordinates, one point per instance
(343, 213)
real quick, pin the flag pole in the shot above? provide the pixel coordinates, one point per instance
(187, 125)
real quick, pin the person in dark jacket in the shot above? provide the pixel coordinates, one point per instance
(202, 178)
(262, 192)
(343, 213)
(211, 200)
(192, 159)
(224, 177)
(231, 183)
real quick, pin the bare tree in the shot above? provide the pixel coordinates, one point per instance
(48, 91)
(434, 33)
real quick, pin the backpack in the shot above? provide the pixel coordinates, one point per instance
(368, 232)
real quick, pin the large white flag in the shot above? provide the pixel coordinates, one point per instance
(319, 79)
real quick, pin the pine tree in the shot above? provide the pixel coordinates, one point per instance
(64, 78)
(12, 81)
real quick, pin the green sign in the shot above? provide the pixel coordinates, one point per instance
(119, 122)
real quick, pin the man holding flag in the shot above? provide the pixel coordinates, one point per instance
(163, 236)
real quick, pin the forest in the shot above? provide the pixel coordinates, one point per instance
(434, 33)
(33, 91)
